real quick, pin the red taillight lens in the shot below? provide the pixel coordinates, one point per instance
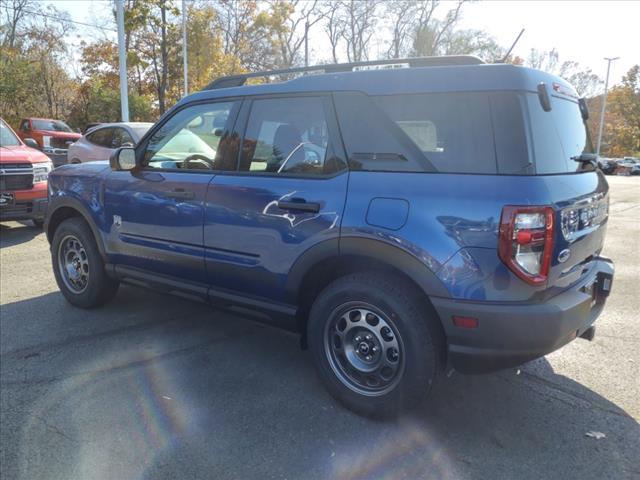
(526, 241)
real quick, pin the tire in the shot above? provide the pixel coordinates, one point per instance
(78, 266)
(337, 338)
(38, 223)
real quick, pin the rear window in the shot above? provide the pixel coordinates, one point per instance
(556, 136)
(452, 130)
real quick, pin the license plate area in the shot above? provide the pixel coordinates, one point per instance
(6, 199)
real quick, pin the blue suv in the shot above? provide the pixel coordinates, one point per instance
(449, 212)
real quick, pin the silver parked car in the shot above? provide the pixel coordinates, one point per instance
(99, 142)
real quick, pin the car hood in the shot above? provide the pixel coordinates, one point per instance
(21, 153)
(63, 135)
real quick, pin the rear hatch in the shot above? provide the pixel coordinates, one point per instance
(577, 190)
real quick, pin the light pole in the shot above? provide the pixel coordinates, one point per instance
(184, 48)
(604, 103)
(122, 54)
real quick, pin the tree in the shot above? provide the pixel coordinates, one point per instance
(431, 34)
(621, 135)
(300, 16)
(586, 83)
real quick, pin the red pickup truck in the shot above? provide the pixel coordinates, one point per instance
(52, 136)
(23, 178)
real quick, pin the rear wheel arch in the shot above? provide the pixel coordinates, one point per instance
(323, 264)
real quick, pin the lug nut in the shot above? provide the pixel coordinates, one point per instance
(369, 337)
(374, 349)
(358, 338)
(368, 357)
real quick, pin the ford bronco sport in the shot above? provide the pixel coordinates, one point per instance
(400, 219)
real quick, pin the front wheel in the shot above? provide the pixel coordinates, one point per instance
(373, 344)
(78, 266)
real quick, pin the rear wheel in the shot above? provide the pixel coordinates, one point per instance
(78, 266)
(372, 345)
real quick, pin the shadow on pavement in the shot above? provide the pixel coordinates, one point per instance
(17, 233)
(158, 387)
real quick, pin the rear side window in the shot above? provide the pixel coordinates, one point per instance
(452, 130)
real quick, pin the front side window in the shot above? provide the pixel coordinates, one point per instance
(288, 136)
(196, 138)
(24, 126)
(51, 126)
(7, 137)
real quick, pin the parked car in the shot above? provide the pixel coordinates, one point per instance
(100, 142)
(626, 166)
(607, 165)
(399, 219)
(23, 178)
(53, 137)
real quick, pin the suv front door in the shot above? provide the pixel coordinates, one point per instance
(156, 212)
(287, 196)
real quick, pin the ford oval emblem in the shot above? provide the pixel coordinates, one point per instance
(564, 255)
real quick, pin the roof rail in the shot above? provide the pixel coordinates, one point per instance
(240, 79)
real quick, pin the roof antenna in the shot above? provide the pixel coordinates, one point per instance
(512, 47)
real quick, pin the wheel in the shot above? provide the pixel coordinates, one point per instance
(38, 223)
(373, 345)
(78, 266)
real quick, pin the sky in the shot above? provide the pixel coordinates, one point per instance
(582, 31)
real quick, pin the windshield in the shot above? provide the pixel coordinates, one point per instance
(7, 137)
(140, 130)
(51, 126)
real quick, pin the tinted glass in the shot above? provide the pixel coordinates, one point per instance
(556, 136)
(121, 137)
(24, 126)
(452, 130)
(7, 137)
(287, 135)
(196, 138)
(513, 150)
(51, 125)
(140, 130)
(101, 137)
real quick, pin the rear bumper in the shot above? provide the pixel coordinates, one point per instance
(510, 334)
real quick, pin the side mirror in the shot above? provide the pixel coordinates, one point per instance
(124, 158)
(30, 142)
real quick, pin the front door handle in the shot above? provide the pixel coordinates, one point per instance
(181, 194)
(299, 205)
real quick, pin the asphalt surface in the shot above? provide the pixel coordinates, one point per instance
(156, 387)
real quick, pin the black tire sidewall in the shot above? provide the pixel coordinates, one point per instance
(100, 287)
(404, 311)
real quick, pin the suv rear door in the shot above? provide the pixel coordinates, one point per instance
(287, 196)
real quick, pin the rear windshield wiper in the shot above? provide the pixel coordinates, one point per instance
(590, 158)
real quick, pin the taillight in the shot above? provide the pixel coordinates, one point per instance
(526, 241)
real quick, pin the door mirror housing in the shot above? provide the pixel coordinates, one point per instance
(30, 142)
(123, 159)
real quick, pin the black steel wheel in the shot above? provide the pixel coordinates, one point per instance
(375, 342)
(364, 349)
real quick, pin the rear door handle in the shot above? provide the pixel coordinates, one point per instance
(181, 193)
(299, 206)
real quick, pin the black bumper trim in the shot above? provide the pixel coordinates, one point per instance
(510, 334)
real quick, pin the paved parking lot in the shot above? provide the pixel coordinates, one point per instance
(157, 387)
